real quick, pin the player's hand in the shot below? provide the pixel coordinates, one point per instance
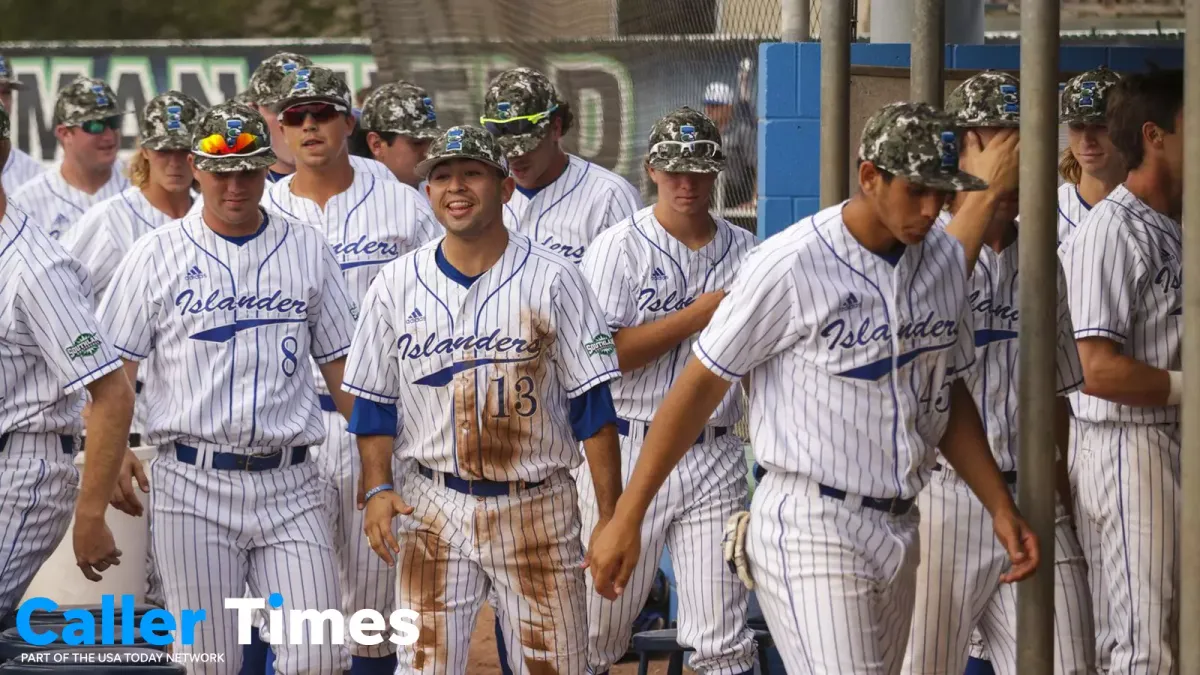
(1021, 543)
(95, 548)
(377, 524)
(612, 556)
(998, 163)
(587, 554)
(706, 304)
(124, 497)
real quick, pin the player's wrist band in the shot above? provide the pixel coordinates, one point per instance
(1175, 397)
(376, 490)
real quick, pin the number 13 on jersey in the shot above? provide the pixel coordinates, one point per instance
(513, 395)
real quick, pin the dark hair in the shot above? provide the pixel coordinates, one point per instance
(564, 113)
(1155, 97)
(888, 176)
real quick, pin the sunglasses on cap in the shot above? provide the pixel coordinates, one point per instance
(689, 149)
(217, 145)
(321, 113)
(94, 127)
(515, 126)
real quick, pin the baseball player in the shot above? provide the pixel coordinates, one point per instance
(87, 121)
(561, 201)
(856, 323)
(160, 191)
(265, 90)
(369, 222)
(19, 168)
(400, 122)
(1125, 279)
(958, 579)
(1092, 168)
(659, 277)
(51, 349)
(232, 302)
(488, 356)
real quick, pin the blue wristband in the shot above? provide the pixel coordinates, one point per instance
(376, 490)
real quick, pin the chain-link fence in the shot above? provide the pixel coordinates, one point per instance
(620, 63)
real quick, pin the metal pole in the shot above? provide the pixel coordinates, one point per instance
(835, 101)
(1189, 524)
(1036, 248)
(796, 20)
(928, 52)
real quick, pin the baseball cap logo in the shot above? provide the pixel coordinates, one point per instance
(1012, 103)
(948, 149)
(174, 117)
(101, 97)
(687, 132)
(430, 114)
(1086, 98)
(233, 129)
(454, 139)
(289, 66)
(504, 110)
(302, 82)
(3, 67)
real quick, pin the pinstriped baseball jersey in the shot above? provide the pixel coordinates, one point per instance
(228, 325)
(50, 342)
(811, 319)
(1072, 211)
(18, 170)
(368, 226)
(481, 376)
(994, 297)
(1125, 283)
(56, 205)
(640, 274)
(566, 215)
(107, 231)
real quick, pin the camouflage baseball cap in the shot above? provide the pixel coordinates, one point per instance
(231, 137)
(8, 78)
(516, 109)
(686, 141)
(168, 120)
(1085, 98)
(401, 108)
(919, 144)
(989, 99)
(267, 80)
(85, 99)
(313, 83)
(463, 143)
(3, 123)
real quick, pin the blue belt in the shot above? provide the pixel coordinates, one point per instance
(231, 461)
(1010, 477)
(67, 442)
(477, 488)
(894, 506)
(327, 403)
(624, 425)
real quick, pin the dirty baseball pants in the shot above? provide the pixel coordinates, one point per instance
(522, 547)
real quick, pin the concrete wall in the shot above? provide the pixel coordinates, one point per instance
(789, 106)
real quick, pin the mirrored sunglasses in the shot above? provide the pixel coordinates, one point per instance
(515, 126)
(672, 149)
(94, 127)
(217, 145)
(321, 113)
